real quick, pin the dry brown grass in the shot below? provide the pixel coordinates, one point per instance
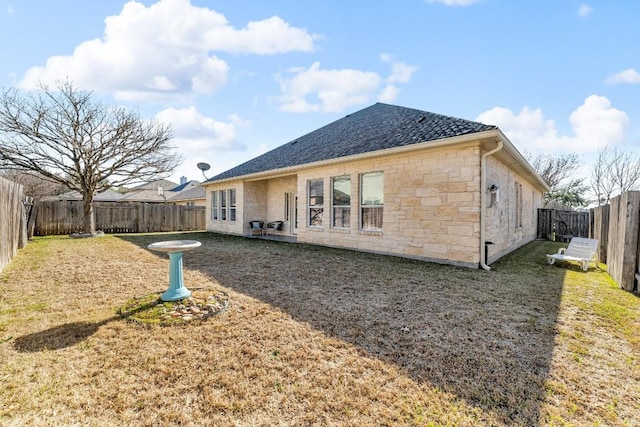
(313, 336)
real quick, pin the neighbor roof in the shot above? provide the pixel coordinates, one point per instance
(378, 127)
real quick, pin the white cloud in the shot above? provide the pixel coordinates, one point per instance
(316, 89)
(165, 50)
(454, 2)
(10, 9)
(630, 75)
(584, 10)
(202, 139)
(195, 133)
(594, 124)
(400, 71)
(388, 94)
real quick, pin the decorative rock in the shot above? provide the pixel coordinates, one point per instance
(175, 314)
(187, 317)
(194, 309)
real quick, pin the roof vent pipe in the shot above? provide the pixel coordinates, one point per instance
(483, 202)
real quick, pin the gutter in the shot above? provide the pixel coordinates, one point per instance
(483, 201)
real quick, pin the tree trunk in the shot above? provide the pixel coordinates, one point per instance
(89, 217)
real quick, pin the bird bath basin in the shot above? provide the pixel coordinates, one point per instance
(175, 248)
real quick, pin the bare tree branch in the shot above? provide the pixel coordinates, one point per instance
(65, 136)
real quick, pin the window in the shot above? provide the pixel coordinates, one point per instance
(232, 204)
(223, 205)
(341, 201)
(371, 200)
(214, 206)
(316, 201)
(518, 205)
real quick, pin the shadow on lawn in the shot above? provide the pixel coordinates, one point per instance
(61, 336)
(486, 337)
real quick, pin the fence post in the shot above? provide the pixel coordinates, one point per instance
(624, 226)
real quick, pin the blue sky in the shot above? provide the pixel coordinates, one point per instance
(238, 78)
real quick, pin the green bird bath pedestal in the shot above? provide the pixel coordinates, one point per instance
(175, 248)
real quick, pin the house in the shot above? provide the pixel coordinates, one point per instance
(108, 195)
(391, 180)
(150, 192)
(193, 196)
(188, 193)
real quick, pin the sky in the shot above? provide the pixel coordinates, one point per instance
(235, 79)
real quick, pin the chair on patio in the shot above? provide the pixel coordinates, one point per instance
(256, 226)
(581, 250)
(274, 226)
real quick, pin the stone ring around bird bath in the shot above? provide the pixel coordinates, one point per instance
(175, 248)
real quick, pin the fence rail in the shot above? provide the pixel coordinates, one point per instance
(66, 217)
(562, 225)
(12, 220)
(616, 226)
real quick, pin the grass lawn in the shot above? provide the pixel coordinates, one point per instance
(313, 336)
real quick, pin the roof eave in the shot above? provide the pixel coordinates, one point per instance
(273, 173)
(536, 179)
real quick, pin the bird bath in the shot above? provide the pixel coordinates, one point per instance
(175, 248)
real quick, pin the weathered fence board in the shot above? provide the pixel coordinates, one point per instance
(600, 229)
(66, 217)
(562, 225)
(12, 220)
(624, 226)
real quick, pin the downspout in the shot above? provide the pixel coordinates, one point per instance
(483, 201)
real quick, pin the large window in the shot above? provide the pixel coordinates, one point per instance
(315, 201)
(341, 201)
(232, 204)
(371, 200)
(223, 205)
(215, 207)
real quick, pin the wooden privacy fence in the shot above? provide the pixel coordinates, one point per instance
(66, 217)
(562, 225)
(13, 230)
(618, 224)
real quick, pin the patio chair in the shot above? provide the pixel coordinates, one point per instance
(256, 226)
(581, 250)
(274, 226)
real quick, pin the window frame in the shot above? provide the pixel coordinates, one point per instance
(518, 206)
(223, 205)
(318, 207)
(346, 207)
(232, 208)
(365, 206)
(215, 214)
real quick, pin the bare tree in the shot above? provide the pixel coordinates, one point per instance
(66, 137)
(602, 182)
(614, 172)
(558, 171)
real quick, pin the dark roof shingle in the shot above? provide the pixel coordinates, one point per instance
(378, 127)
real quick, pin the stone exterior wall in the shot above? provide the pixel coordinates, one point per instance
(502, 229)
(239, 226)
(431, 206)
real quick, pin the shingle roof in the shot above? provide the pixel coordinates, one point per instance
(378, 127)
(185, 186)
(189, 194)
(108, 195)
